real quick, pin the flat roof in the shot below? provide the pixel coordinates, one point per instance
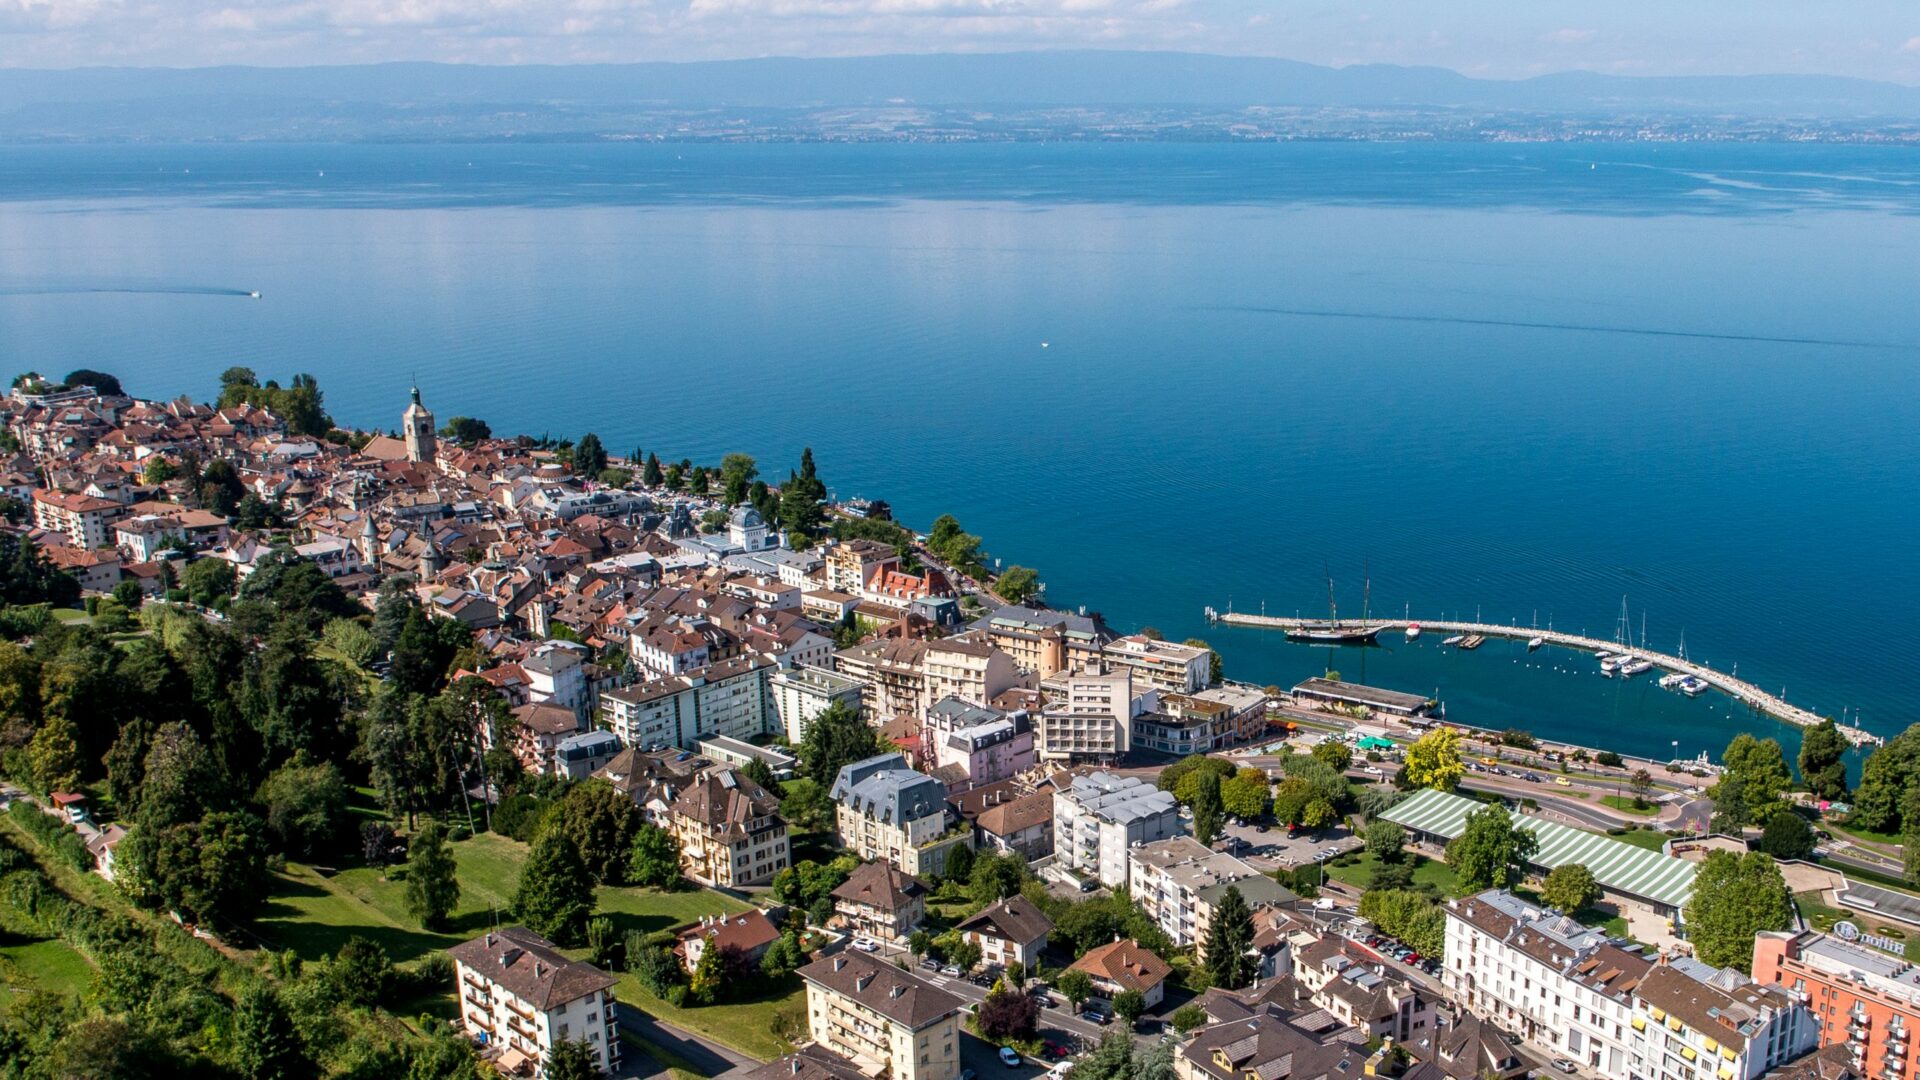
(1392, 700)
(1616, 864)
(1894, 905)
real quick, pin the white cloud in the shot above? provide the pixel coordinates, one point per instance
(1912, 46)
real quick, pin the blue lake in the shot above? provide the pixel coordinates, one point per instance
(1522, 381)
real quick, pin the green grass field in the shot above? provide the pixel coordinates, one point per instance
(1624, 804)
(1861, 834)
(27, 965)
(1651, 839)
(1425, 872)
(747, 1026)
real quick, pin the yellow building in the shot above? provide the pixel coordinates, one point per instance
(883, 1019)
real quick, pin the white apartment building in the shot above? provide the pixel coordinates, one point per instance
(85, 521)
(556, 675)
(1179, 880)
(1164, 665)
(729, 698)
(801, 693)
(886, 1021)
(1092, 722)
(1099, 818)
(889, 812)
(1545, 976)
(972, 670)
(1693, 1021)
(519, 997)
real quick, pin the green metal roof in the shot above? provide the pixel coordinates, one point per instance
(1616, 864)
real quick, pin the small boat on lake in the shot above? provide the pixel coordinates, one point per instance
(1533, 644)
(1455, 639)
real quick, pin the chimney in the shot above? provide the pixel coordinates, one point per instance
(860, 984)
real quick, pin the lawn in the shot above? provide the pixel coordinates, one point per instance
(1817, 913)
(1862, 834)
(1625, 804)
(314, 913)
(1651, 839)
(27, 965)
(747, 1026)
(1359, 872)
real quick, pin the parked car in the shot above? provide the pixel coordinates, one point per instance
(1055, 1050)
(1096, 1016)
(866, 944)
(930, 964)
(950, 971)
(1563, 781)
(1565, 1066)
(1089, 886)
(1009, 1057)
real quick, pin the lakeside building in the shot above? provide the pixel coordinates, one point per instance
(519, 996)
(1649, 880)
(1163, 665)
(1178, 882)
(1864, 1002)
(801, 693)
(850, 563)
(886, 810)
(1543, 976)
(1372, 698)
(884, 1020)
(1091, 720)
(1045, 643)
(1100, 818)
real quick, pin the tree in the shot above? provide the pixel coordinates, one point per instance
(1111, 1060)
(1207, 807)
(1076, 986)
(1570, 887)
(995, 876)
(1006, 1016)
(265, 1044)
(1229, 939)
(806, 806)
(1759, 768)
(570, 1059)
(1245, 794)
(106, 384)
(737, 472)
(212, 870)
(837, 736)
(1334, 753)
(757, 770)
(655, 862)
(465, 430)
(1641, 784)
(1318, 814)
(208, 581)
(305, 805)
(1017, 584)
(53, 756)
(1823, 766)
(555, 895)
(1786, 836)
(918, 942)
(1181, 777)
(1188, 1017)
(1215, 668)
(589, 457)
(651, 475)
(1386, 841)
(601, 823)
(1735, 898)
(433, 880)
(1434, 760)
(1128, 1005)
(1491, 852)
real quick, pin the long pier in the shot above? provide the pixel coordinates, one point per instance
(1744, 692)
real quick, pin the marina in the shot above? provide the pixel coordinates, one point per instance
(1613, 661)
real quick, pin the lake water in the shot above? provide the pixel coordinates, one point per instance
(1521, 381)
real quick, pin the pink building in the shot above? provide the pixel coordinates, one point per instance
(987, 744)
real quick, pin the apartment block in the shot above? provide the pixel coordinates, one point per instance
(801, 693)
(887, 811)
(519, 997)
(884, 1020)
(1178, 882)
(1692, 1021)
(730, 830)
(1091, 720)
(1099, 818)
(729, 698)
(1164, 665)
(1861, 998)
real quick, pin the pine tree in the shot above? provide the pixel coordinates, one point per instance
(1229, 937)
(555, 896)
(571, 1059)
(265, 1045)
(433, 883)
(652, 476)
(1207, 807)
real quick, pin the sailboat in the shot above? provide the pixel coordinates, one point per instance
(1634, 665)
(1333, 633)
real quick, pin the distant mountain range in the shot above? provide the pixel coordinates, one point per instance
(456, 101)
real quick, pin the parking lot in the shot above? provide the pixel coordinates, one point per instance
(1272, 849)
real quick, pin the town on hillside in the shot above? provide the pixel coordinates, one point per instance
(443, 754)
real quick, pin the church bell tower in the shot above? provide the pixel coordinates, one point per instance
(418, 423)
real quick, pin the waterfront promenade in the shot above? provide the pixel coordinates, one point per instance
(1740, 690)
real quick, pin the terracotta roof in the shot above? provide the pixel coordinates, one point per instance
(530, 967)
(747, 932)
(898, 995)
(1013, 919)
(881, 885)
(1125, 964)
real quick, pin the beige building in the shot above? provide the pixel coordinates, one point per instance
(881, 901)
(1178, 881)
(972, 670)
(892, 674)
(887, 811)
(1092, 721)
(730, 830)
(884, 1020)
(85, 521)
(1163, 665)
(519, 997)
(851, 562)
(1011, 933)
(1045, 642)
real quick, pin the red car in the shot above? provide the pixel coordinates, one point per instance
(1413, 958)
(1055, 1050)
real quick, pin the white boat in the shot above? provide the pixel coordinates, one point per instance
(1413, 631)
(255, 294)
(1612, 664)
(1672, 682)
(1635, 666)
(1455, 639)
(1535, 643)
(1694, 686)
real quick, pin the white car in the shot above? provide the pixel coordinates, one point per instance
(1373, 770)
(866, 944)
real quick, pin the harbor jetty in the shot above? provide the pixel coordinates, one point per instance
(1738, 689)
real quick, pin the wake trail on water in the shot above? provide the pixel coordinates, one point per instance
(74, 290)
(1638, 331)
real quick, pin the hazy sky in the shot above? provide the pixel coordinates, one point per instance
(1509, 38)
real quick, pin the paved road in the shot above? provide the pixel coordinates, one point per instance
(705, 1055)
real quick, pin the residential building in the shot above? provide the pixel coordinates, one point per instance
(802, 693)
(727, 698)
(539, 729)
(892, 676)
(1045, 643)
(984, 743)
(1544, 976)
(1011, 933)
(731, 751)
(1692, 1021)
(1864, 1000)
(730, 830)
(86, 521)
(1178, 881)
(556, 674)
(519, 996)
(849, 563)
(1163, 665)
(1119, 966)
(811, 1062)
(1092, 721)
(1021, 825)
(1200, 723)
(971, 670)
(888, 811)
(747, 530)
(1100, 818)
(749, 934)
(142, 537)
(884, 1020)
(1267, 1046)
(881, 901)
(1363, 993)
(577, 757)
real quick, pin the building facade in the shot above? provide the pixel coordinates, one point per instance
(728, 698)
(1092, 720)
(1692, 1021)
(1178, 882)
(884, 1020)
(730, 830)
(1099, 818)
(1861, 998)
(801, 693)
(887, 811)
(519, 996)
